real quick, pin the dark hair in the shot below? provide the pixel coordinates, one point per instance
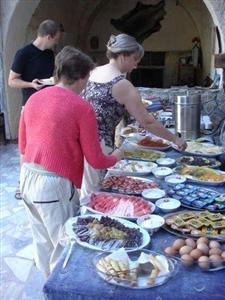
(49, 27)
(72, 64)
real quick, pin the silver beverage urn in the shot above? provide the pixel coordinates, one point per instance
(187, 110)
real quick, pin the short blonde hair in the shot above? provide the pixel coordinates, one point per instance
(123, 44)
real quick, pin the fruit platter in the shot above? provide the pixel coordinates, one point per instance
(201, 175)
(140, 270)
(196, 224)
(150, 142)
(126, 184)
(199, 161)
(146, 155)
(118, 205)
(199, 198)
(203, 149)
(103, 233)
(208, 255)
(131, 167)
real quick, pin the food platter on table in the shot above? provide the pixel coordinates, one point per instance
(201, 175)
(202, 149)
(132, 130)
(118, 205)
(126, 184)
(149, 142)
(136, 153)
(199, 161)
(196, 224)
(136, 270)
(198, 198)
(132, 167)
(103, 233)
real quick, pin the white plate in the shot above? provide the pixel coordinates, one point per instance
(202, 149)
(69, 231)
(136, 138)
(132, 167)
(46, 81)
(86, 200)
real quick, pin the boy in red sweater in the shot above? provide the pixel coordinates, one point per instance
(57, 130)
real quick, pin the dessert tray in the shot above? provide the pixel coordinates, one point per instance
(118, 205)
(198, 198)
(196, 224)
(126, 184)
(131, 167)
(103, 233)
(140, 270)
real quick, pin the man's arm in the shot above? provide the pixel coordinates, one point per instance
(15, 81)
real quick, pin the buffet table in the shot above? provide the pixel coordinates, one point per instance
(79, 280)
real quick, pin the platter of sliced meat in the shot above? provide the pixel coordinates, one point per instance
(118, 205)
(126, 184)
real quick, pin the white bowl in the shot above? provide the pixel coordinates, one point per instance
(161, 172)
(168, 205)
(153, 194)
(166, 161)
(151, 223)
(175, 179)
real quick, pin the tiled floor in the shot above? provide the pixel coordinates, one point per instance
(19, 278)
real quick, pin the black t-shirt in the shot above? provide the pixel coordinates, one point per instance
(33, 63)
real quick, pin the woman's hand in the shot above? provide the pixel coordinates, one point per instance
(119, 153)
(181, 143)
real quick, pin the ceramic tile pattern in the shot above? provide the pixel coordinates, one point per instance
(19, 278)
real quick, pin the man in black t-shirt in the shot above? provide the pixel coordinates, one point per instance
(36, 60)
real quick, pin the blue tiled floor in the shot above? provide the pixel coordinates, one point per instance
(19, 279)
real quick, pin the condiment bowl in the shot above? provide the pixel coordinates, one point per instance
(161, 172)
(168, 205)
(151, 223)
(175, 179)
(153, 194)
(166, 162)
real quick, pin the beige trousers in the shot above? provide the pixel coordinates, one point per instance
(91, 176)
(49, 201)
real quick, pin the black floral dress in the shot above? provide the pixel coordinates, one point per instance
(108, 111)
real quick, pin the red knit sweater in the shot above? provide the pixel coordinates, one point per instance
(57, 128)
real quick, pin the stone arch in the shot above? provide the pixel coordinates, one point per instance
(18, 12)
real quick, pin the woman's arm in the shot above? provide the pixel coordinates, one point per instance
(125, 93)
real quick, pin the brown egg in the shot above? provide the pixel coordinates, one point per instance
(214, 244)
(216, 260)
(185, 250)
(204, 262)
(187, 260)
(170, 251)
(190, 242)
(178, 244)
(223, 255)
(196, 253)
(203, 239)
(203, 247)
(217, 251)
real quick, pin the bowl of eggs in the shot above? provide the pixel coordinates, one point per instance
(209, 255)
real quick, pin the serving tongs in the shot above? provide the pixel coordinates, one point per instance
(68, 255)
